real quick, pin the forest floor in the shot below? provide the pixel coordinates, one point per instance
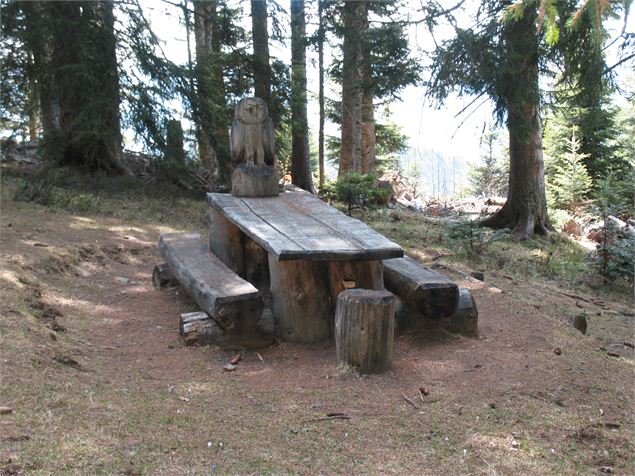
(96, 379)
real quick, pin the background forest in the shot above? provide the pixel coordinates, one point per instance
(82, 75)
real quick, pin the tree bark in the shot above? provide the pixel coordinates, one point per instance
(368, 133)
(300, 155)
(525, 211)
(321, 90)
(355, 18)
(368, 116)
(260, 34)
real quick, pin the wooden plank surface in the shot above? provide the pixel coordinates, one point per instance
(202, 273)
(298, 225)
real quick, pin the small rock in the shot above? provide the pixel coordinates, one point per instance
(5, 410)
(229, 367)
(480, 275)
(606, 469)
(122, 280)
(557, 351)
(81, 272)
(492, 405)
(40, 245)
(612, 353)
(424, 391)
(515, 444)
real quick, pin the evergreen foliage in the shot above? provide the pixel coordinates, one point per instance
(491, 177)
(568, 182)
(355, 190)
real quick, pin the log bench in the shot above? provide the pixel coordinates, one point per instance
(428, 292)
(429, 298)
(232, 302)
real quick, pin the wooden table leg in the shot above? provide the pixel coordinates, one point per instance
(301, 299)
(226, 242)
(355, 274)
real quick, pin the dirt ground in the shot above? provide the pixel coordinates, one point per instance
(97, 381)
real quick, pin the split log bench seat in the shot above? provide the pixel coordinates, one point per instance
(430, 297)
(232, 302)
(430, 293)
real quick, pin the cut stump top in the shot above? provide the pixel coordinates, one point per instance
(298, 225)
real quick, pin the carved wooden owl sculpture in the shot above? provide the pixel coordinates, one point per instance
(252, 139)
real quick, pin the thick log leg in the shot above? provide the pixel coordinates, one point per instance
(226, 242)
(162, 277)
(464, 321)
(256, 264)
(364, 329)
(301, 300)
(355, 274)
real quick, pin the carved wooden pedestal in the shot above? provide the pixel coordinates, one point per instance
(254, 181)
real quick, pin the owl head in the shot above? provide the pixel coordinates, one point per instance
(251, 110)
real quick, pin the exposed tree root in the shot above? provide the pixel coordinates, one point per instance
(523, 226)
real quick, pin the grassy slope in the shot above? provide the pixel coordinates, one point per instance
(118, 393)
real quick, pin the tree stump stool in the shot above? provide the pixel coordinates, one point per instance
(364, 329)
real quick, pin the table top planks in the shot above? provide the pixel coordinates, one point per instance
(298, 225)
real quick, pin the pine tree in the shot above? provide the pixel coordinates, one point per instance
(568, 181)
(502, 59)
(79, 95)
(491, 176)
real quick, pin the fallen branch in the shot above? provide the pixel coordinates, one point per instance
(410, 401)
(329, 416)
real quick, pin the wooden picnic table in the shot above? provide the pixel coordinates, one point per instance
(304, 250)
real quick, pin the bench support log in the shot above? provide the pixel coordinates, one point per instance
(162, 277)
(198, 328)
(301, 300)
(364, 329)
(464, 321)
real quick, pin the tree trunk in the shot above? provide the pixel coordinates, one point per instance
(260, 34)
(368, 133)
(212, 124)
(525, 211)
(321, 90)
(368, 115)
(38, 33)
(355, 25)
(300, 156)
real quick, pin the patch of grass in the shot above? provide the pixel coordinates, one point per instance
(127, 198)
(555, 258)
